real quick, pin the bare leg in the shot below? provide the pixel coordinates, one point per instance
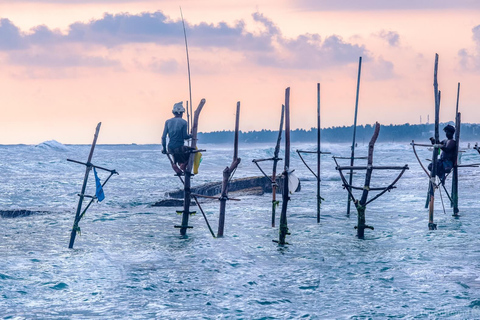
(176, 169)
(183, 166)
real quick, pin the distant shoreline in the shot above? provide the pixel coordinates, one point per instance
(469, 133)
(388, 133)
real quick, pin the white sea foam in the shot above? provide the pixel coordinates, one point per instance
(52, 145)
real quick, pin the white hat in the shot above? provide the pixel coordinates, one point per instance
(178, 107)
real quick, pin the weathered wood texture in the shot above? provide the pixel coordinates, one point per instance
(361, 205)
(454, 201)
(432, 184)
(274, 170)
(250, 183)
(188, 171)
(285, 194)
(227, 172)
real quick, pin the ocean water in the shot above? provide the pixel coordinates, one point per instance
(131, 263)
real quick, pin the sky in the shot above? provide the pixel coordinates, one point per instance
(68, 64)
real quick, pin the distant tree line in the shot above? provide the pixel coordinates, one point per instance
(391, 133)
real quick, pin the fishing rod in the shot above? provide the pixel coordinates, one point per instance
(188, 68)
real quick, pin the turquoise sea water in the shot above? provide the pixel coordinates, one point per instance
(130, 263)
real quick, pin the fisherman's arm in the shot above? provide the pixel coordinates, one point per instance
(164, 139)
(185, 134)
(449, 146)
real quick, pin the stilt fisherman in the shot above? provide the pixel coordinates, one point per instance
(448, 158)
(176, 129)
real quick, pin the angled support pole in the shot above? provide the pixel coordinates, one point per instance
(88, 167)
(362, 203)
(275, 159)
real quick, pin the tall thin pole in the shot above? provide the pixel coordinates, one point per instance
(84, 186)
(188, 172)
(354, 133)
(458, 98)
(318, 153)
(458, 122)
(188, 64)
(455, 165)
(275, 162)
(433, 174)
(227, 173)
(285, 192)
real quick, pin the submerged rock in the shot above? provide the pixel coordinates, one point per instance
(239, 187)
(255, 185)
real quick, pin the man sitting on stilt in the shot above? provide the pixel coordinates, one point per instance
(448, 158)
(176, 129)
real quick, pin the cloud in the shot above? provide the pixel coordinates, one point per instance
(125, 28)
(392, 37)
(364, 5)
(10, 35)
(266, 47)
(380, 70)
(309, 52)
(60, 60)
(471, 61)
(168, 66)
(70, 2)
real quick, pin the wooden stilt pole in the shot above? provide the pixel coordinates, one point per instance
(361, 205)
(285, 193)
(352, 157)
(458, 123)
(88, 168)
(275, 163)
(433, 173)
(188, 172)
(227, 172)
(319, 153)
(319, 198)
(194, 198)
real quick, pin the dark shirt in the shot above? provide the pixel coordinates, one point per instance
(176, 129)
(449, 148)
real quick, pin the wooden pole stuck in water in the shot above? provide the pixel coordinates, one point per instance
(360, 205)
(433, 172)
(194, 196)
(88, 167)
(285, 192)
(363, 202)
(458, 122)
(227, 173)
(275, 159)
(352, 156)
(319, 153)
(319, 198)
(188, 172)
